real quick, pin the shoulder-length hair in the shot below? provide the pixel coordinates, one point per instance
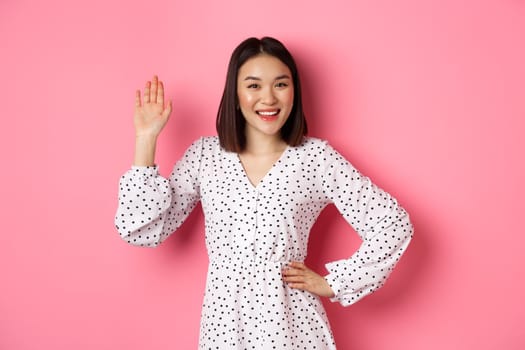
(230, 122)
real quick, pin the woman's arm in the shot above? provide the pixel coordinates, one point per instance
(383, 225)
(150, 206)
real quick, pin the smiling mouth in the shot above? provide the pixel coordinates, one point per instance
(272, 113)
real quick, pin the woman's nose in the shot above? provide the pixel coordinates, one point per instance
(268, 96)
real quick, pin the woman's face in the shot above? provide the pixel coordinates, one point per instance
(265, 92)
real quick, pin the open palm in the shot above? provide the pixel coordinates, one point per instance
(151, 113)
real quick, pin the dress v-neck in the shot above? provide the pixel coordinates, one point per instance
(268, 173)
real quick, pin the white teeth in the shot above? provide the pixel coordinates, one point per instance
(267, 113)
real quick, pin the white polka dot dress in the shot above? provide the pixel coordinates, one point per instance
(252, 232)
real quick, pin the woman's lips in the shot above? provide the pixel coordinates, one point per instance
(268, 115)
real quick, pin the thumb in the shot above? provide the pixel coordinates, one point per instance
(167, 111)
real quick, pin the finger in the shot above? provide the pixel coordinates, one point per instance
(153, 90)
(297, 265)
(294, 279)
(138, 103)
(298, 285)
(160, 94)
(293, 273)
(167, 110)
(147, 92)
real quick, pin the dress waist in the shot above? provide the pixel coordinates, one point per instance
(251, 261)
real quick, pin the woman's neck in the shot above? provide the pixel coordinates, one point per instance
(264, 144)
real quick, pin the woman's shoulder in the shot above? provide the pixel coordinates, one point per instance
(203, 145)
(310, 143)
(212, 141)
(317, 147)
(206, 142)
(310, 140)
(211, 147)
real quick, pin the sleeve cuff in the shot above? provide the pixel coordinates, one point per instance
(144, 167)
(334, 285)
(147, 171)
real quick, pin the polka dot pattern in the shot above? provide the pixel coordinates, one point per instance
(252, 232)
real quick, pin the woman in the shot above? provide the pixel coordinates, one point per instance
(262, 184)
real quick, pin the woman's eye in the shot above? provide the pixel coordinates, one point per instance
(282, 85)
(253, 86)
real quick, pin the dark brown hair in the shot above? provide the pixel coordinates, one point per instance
(230, 122)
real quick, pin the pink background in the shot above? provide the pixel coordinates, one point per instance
(425, 97)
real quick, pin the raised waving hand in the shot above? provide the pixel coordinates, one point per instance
(151, 111)
(151, 115)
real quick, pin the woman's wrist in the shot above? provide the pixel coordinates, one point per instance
(145, 150)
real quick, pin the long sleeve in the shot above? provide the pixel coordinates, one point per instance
(150, 206)
(383, 226)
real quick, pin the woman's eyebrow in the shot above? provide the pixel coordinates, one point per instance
(284, 76)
